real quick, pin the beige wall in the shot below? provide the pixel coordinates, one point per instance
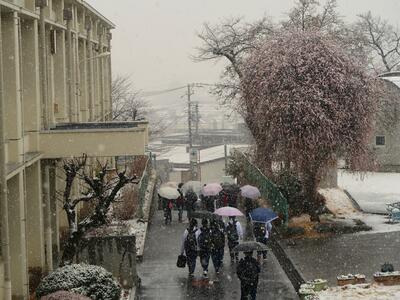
(212, 172)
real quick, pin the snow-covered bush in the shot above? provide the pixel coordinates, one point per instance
(63, 295)
(91, 281)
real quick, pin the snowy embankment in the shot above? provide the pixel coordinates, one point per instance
(339, 204)
(361, 291)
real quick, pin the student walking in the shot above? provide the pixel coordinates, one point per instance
(189, 245)
(217, 245)
(234, 233)
(180, 203)
(248, 271)
(262, 232)
(204, 243)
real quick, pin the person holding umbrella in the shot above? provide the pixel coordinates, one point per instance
(191, 199)
(248, 271)
(189, 245)
(180, 202)
(234, 233)
(217, 245)
(204, 242)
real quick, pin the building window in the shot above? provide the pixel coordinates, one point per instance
(380, 140)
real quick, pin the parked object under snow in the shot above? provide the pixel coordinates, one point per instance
(87, 280)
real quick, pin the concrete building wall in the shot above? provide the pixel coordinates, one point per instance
(213, 171)
(66, 78)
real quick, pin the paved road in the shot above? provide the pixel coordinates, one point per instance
(161, 279)
(349, 253)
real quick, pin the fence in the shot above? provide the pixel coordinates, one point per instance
(268, 189)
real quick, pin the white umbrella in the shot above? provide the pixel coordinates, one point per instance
(195, 186)
(169, 193)
(172, 184)
(250, 192)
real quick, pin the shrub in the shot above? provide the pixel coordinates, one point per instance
(87, 280)
(62, 295)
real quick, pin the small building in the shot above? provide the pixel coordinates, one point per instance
(386, 139)
(211, 162)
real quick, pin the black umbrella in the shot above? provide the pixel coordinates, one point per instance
(231, 189)
(250, 246)
(204, 214)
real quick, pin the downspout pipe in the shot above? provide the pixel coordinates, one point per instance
(70, 58)
(5, 236)
(43, 66)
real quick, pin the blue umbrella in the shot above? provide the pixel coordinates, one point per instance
(262, 215)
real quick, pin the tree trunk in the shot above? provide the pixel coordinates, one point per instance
(311, 200)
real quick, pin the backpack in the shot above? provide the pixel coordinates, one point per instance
(217, 238)
(205, 240)
(248, 270)
(259, 230)
(191, 242)
(232, 232)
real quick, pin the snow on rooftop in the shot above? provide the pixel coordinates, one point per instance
(392, 77)
(178, 155)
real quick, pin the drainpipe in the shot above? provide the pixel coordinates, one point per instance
(90, 72)
(43, 65)
(5, 237)
(101, 71)
(110, 79)
(47, 217)
(70, 58)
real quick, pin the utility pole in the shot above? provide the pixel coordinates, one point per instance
(197, 118)
(189, 93)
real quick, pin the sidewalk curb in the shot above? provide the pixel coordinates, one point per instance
(353, 201)
(295, 277)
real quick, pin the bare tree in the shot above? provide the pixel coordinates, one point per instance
(127, 103)
(100, 192)
(233, 39)
(311, 15)
(380, 39)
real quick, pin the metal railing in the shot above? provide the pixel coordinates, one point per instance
(269, 191)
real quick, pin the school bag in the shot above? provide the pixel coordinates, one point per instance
(217, 238)
(232, 232)
(259, 230)
(191, 242)
(205, 240)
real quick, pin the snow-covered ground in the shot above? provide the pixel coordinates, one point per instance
(339, 203)
(373, 190)
(361, 291)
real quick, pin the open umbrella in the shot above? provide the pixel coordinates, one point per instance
(172, 184)
(231, 189)
(251, 192)
(195, 186)
(250, 246)
(228, 211)
(204, 214)
(168, 193)
(211, 189)
(262, 215)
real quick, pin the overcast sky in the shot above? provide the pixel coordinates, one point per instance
(154, 39)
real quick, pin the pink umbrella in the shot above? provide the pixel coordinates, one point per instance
(228, 211)
(211, 189)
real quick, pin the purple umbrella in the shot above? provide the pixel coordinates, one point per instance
(251, 192)
(211, 189)
(228, 211)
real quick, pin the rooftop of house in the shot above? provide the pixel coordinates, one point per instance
(178, 154)
(393, 77)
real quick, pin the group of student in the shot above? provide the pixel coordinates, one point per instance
(208, 241)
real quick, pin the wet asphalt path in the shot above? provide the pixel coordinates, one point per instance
(161, 279)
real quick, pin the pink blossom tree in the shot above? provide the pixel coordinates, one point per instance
(310, 104)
